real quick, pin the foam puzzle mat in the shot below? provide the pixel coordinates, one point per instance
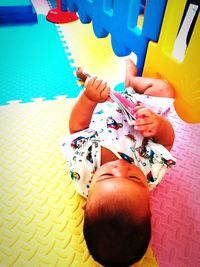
(34, 63)
(41, 215)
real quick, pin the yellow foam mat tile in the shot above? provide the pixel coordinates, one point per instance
(41, 215)
(92, 53)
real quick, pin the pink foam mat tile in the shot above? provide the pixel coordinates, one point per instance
(176, 203)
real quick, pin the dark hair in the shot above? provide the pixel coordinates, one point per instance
(116, 237)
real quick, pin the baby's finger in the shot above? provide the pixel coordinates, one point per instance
(143, 128)
(90, 81)
(143, 113)
(102, 85)
(150, 133)
(143, 122)
(105, 93)
(99, 83)
(137, 107)
(143, 117)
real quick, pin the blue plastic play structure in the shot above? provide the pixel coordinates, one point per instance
(120, 18)
(17, 11)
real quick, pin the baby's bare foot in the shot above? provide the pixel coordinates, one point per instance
(131, 70)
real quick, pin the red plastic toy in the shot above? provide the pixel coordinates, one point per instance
(56, 15)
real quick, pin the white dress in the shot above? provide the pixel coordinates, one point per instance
(109, 129)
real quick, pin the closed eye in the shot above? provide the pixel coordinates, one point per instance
(105, 176)
(133, 177)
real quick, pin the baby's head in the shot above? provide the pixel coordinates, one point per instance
(117, 225)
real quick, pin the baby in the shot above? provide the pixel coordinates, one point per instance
(113, 165)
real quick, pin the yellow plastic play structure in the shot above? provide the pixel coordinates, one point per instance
(184, 74)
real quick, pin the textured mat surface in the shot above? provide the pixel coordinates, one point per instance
(33, 63)
(95, 55)
(41, 215)
(40, 212)
(176, 202)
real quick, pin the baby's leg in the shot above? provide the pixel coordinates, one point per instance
(144, 85)
(139, 84)
(131, 72)
(161, 88)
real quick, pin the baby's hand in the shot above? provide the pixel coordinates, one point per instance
(96, 90)
(147, 122)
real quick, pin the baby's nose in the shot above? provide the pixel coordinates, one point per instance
(122, 167)
(122, 162)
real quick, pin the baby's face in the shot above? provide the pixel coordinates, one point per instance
(120, 178)
(120, 169)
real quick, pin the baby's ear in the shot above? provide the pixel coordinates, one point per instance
(84, 205)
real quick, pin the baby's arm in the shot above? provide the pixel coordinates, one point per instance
(96, 91)
(155, 126)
